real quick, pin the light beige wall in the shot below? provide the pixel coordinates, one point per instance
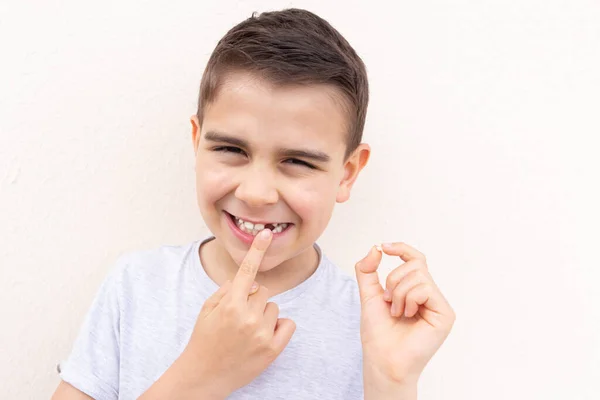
(483, 123)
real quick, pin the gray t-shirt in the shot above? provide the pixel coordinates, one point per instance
(144, 313)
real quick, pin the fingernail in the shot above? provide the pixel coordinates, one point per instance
(254, 287)
(387, 245)
(378, 248)
(265, 234)
(394, 309)
(386, 295)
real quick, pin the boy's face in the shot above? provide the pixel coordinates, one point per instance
(272, 156)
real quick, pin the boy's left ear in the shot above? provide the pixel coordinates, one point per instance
(355, 163)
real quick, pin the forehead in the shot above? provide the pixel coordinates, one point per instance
(265, 113)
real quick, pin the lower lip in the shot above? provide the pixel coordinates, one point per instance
(245, 236)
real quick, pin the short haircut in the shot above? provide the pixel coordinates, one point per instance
(291, 47)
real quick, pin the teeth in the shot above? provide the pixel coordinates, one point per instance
(254, 229)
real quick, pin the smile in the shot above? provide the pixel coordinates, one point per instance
(253, 228)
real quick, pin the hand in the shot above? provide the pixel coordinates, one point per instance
(238, 333)
(403, 326)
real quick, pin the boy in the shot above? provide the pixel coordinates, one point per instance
(277, 141)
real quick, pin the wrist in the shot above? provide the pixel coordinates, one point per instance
(196, 378)
(380, 386)
(390, 391)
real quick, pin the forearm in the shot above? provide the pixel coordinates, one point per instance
(387, 391)
(175, 383)
(378, 387)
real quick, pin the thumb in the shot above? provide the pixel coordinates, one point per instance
(366, 275)
(284, 329)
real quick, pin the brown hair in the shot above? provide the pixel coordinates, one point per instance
(291, 46)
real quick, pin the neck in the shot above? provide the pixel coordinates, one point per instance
(220, 267)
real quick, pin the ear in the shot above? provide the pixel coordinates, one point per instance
(355, 163)
(196, 129)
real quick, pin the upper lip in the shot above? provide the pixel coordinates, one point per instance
(254, 221)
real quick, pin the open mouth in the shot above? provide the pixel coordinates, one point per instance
(253, 228)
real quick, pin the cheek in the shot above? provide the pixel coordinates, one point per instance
(212, 182)
(313, 201)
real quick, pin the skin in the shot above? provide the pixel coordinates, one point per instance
(259, 181)
(403, 326)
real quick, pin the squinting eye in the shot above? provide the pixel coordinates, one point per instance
(229, 149)
(295, 161)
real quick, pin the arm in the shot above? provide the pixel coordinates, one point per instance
(401, 327)
(176, 382)
(400, 393)
(64, 391)
(380, 388)
(83, 377)
(172, 384)
(237, 335)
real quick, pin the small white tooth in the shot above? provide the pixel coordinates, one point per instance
(249, 225)
(259, 227)
(277, 229)
(284, 226)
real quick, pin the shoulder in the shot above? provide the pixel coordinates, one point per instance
(341, 287)
(151, 267)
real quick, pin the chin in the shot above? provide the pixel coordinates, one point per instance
(268, 262)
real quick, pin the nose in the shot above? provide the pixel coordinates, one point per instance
(257, 189)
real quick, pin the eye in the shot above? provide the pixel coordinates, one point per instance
(295, 161)
(229, 149)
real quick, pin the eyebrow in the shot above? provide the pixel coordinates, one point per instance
(318, 156)
(212, 136)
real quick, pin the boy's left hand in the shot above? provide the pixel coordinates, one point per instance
(400, 332)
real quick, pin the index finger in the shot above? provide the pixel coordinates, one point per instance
(402, 250)
(242, 283)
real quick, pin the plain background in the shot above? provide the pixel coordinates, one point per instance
(484, 124)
